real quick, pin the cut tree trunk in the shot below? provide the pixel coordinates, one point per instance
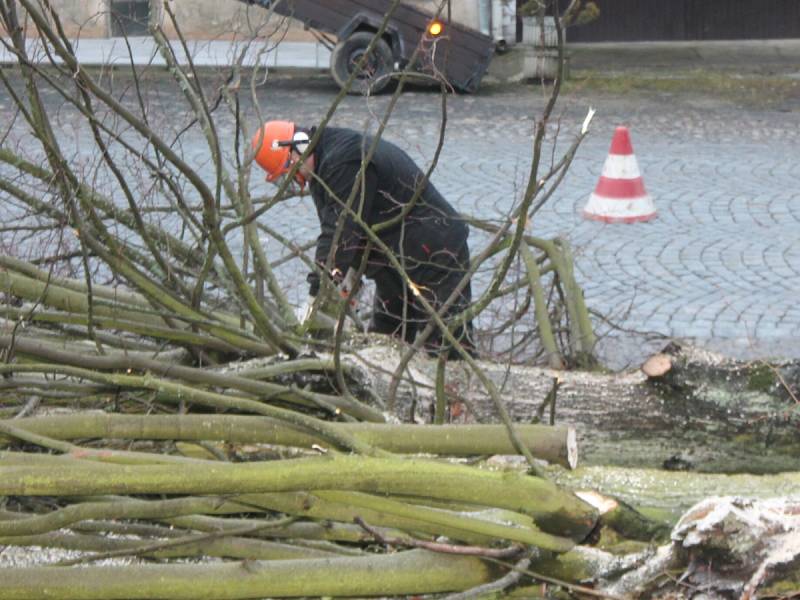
(670, 493)
(705, 413)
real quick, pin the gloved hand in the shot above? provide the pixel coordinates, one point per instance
(303, 311)
(346, 285)
(324, 318)
(313, 284)
(321, 323)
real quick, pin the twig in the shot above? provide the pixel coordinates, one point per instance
(570, 586)
(189, 539)
(779, 376)
(549, 400)
(506, 581)
(31, 405)
(508, 552)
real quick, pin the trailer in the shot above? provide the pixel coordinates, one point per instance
(446, 48)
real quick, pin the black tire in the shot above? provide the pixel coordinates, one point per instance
(376, 73)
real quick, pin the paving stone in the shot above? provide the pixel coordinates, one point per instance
(721, 261)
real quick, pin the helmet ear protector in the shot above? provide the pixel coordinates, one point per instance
(298, 143)
(300, 140)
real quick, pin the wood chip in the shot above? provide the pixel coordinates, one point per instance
(657, 365)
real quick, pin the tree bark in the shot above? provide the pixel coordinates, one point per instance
(554, 444)
(671, 492)
(554, 510)
(412, 572)
(228, 547)
(707, 414)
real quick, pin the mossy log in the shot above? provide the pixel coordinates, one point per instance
(310, 532)
(227, 547)
(469, 526)
(14, 524)
(707, 414)
(625, 521)
(554, 510)
(412, 572)
(473, 526)
(668, 493)
(301, 530)
(554, 444)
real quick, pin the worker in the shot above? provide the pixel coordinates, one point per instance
(426, 235)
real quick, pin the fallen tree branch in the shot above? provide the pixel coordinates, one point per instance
(437, 546)
(554, 444)
(490, 589)
(402, 573)
(145, 548)
(554, 510)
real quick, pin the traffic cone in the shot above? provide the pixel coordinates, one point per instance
(619, 196)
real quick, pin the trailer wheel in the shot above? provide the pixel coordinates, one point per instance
(375, 75)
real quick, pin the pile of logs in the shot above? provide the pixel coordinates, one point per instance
(145, 477)
(211, 505)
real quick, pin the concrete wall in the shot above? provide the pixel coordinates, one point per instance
(218, 19)
(198, 19)
(224, 19)
(85, 17)
(88, 16)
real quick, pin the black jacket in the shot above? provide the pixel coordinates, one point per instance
(427, 237)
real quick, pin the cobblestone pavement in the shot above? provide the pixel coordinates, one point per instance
(720, 264)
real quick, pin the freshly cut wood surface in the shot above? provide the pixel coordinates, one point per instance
(657, 365)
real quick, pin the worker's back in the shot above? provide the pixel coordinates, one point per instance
(431, 218)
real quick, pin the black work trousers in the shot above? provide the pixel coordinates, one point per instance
(397, 310)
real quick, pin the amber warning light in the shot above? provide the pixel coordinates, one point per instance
(435, 28)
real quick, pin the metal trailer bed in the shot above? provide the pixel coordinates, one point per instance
(459, 53)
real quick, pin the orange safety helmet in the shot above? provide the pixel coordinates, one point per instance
(273, 144)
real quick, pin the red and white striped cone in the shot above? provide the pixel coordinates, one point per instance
(619, 196)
